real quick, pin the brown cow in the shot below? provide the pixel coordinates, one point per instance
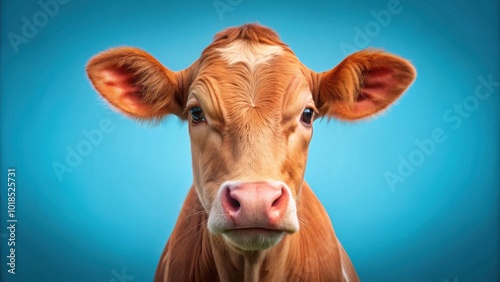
(250, 104)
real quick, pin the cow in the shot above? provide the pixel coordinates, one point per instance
(250, 105)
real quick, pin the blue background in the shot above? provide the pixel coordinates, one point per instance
(113, 213)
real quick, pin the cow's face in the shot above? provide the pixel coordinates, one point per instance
(250, 105)
(250, 119)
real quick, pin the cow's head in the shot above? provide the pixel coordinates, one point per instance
(250, 104)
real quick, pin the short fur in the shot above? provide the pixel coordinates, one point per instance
(313, 254)
(253, 131)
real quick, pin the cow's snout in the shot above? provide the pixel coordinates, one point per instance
(253, 215)
(255, 204)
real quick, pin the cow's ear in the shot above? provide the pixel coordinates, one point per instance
(136, 83)
(362, 85)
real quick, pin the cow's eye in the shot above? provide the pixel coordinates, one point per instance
(307, 116)
(197, 114)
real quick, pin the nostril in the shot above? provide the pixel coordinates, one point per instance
(276, 202)
(279, 200)
(233, 203)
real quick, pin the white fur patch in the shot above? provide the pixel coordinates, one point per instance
(344, 275)
(253, 54)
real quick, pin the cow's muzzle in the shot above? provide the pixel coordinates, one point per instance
(253, 215)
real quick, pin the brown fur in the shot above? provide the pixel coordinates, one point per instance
(313, 254)
(154, 86)
(351, 82)
(252, 132)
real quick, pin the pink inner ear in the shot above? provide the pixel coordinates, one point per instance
(376, 91)
(121, 91)
(377, 85)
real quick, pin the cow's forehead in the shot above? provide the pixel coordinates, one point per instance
(244, 79)
(247, 72)
(251, 54)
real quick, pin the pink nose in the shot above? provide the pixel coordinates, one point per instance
(255, 204)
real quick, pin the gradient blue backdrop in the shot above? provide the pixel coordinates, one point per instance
(113, 214)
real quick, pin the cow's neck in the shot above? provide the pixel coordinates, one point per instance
(252, 263)
(249, 266)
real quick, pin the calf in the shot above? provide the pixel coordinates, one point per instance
(250, 104)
